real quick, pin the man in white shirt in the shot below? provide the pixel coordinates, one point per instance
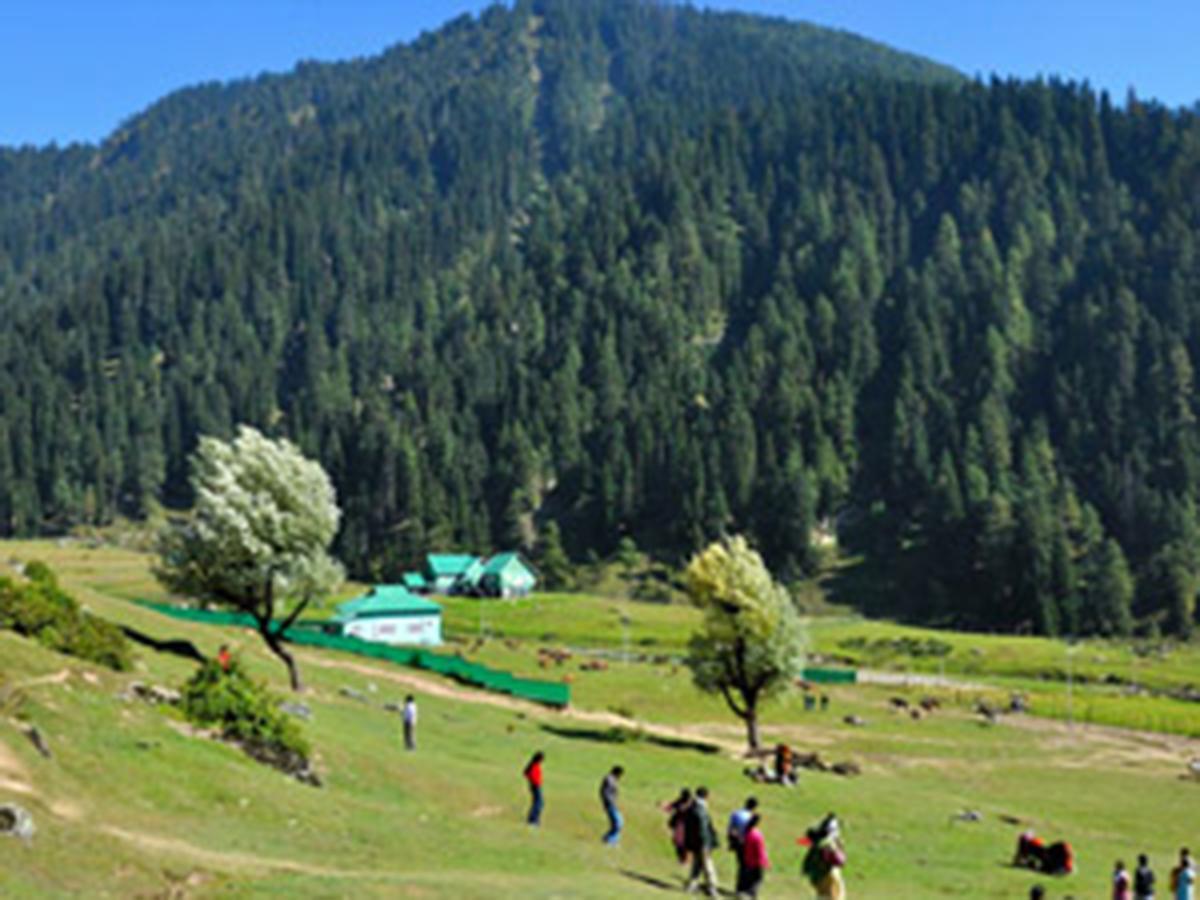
(410, 723)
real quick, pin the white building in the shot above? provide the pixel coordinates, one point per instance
(389, 614)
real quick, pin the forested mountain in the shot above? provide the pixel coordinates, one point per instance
(639, 270)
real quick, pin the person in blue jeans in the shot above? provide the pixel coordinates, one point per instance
(608, 796)
(533, 777)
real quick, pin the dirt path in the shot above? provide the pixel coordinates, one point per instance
(917, 679)
(13, 775)
(433, 686)
(1121, 746)
(227, 860)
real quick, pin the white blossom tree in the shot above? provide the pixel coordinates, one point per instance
(751, 644)
(257, 539)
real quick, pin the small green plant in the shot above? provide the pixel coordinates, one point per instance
(38, 608)
(246, 713)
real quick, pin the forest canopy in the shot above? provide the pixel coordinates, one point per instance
(577, 262)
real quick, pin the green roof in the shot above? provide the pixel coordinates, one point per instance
(449, 563)
(472, 573)
(385, 599)
(497, 563)
(414, 580)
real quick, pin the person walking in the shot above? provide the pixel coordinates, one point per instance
(533, 777)
(701, 841)
(754, 862)
(825, 858)
(410, 723)
(1143, 879)
(1122, 883)
(1183, 877)
(735, 832)
(677, 812)
(609, 788)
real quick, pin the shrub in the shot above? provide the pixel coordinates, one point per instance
(39, 609)
(245, 712)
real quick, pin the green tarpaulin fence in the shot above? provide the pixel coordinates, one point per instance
(312, 634)
(830, 676)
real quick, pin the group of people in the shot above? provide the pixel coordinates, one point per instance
(1141, 884)
(695, 841)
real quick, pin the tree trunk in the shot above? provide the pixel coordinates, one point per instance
(751, 719)
(279, 649)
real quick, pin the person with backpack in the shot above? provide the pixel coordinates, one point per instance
(533, 777)
(701, 841)
(1183, 877)
(678, 811)
(825, 858)
(735, 833)
(1122, 883)
(609, 788)
(753, 863)
(1143, 879)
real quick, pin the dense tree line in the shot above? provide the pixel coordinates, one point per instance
(579, 263)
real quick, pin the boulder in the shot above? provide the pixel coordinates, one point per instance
(300, 710)
(16, 821)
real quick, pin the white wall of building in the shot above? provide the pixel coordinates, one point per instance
(422, 630)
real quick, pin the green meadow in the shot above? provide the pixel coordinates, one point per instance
(133, 803)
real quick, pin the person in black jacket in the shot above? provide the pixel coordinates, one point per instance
(1143, 879)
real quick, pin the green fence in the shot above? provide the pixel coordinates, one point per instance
(830, 676)
(312, 634)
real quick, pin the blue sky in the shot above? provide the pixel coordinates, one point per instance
(74, 69)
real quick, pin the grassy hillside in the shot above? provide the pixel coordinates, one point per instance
(132, 804)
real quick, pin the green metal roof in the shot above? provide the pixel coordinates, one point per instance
(500, 561)
(473, 573)
(414, 580)
(385, 599)
(449, 563)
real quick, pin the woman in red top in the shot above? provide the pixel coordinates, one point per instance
(754, 859)
(533, 775)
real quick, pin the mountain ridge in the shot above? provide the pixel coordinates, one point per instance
(584, 264)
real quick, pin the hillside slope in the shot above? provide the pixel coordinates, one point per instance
(133, 804)
(640, 270)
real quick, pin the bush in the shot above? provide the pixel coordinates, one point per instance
(246, 713)
(39, 609)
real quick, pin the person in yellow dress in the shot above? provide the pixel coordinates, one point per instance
(825, 859)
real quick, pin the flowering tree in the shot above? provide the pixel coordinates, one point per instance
(751, 644)
(257, 539)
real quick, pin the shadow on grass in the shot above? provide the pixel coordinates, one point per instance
(619, 735)
(650, 880)
(664, 885)
(178, 647)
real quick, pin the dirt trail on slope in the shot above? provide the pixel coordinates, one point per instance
(434, 687)
(1108, 744)
(228, 860)
(13, 775)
